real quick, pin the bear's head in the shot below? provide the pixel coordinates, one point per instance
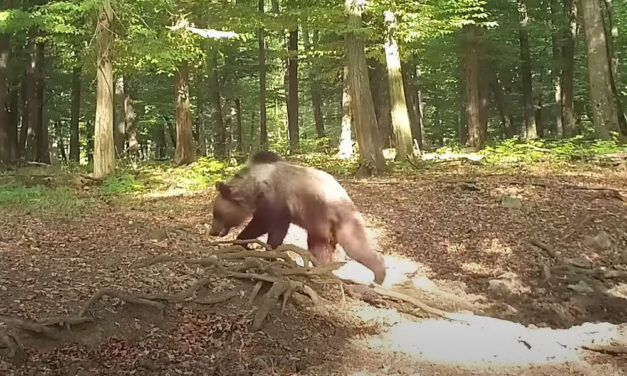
(230, 209)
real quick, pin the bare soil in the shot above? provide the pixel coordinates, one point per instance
(445, 237)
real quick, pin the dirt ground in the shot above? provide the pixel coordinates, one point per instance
(448, 240)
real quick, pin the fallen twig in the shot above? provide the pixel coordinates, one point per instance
(149, 262)
(546, 248)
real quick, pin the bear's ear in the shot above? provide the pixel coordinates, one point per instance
(224, 189)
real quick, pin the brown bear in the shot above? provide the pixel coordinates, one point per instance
(276, 193)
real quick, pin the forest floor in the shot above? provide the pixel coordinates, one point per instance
(537, 258)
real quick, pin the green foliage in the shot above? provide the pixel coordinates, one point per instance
(58, 200)
(121, 183)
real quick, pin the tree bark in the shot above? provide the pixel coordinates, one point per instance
(75, 116)
(398, 103)
(314, 82)
(346, 141)
(371, 156)
(119, 128)
(499, 99)
(381, 101)
(410, 94)
(602, 100)
(201, 121)
(184, 141)
(556, 20)
(5, 142)
(263, 125)
(104, 148)
(24, 92)
(13, 119)
(239, 137)
(418, 105)
(568, 69)
(33, 120)
(611, 33)
(130, 117)
(215, 107)
(476, 133)
(525, 71)
(292, 99)
(42, 135)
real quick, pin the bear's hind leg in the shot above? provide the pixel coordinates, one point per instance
(277, 231)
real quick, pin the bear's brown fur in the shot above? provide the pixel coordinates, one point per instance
(276, 193)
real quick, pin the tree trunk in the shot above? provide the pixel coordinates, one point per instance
(239, 137)
(568, 55)
(398, 103)
(33, 120)
(602, 100)
(184, 141)
(119, 128)
(42, 135)
(418, 105)
(346, 141)
(13, 119)
(525, 72)
(292, 99)
(499, 99)
(130, 117)
(538, 114)
(104, 148)
(60, 143)
(381, 100)
(416, 130)
(557, 65)
(476, 133)
(201, 121)
(215, 107)
(314, 80)
(24, 93)
(5, 142)
(612, 38)
(371, 156)
(76, 113)
(263, 125)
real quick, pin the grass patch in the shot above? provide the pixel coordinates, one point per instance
(58, 200)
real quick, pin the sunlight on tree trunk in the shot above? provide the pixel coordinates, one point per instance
(525, 72)
(346, 141)
(400, 116)
(32, 105)
(416, 129)
(314, 84)
(380, 92)
(104, 149)
(604, 109)
(263, 125)
(568, 55)
(130, 117)
(370, 154)
(184, 140)
(75, 147)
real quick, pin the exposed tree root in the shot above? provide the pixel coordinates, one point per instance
(613, 349)
(288, 280)
(15, 352)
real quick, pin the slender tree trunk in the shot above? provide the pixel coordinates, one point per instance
(184, 140)
(263, 125)
(499, 99)
(119, 128)
(568, 73)
(42, 136)
(538, 114)
(476, 132)
(33, 121)
(399, 109)
(525, 71)
(416, 102)
(314, 84)
(24, 113)
(215, 107)
(462, 126)
(13, 119)
(346, 141)
(611, 33)
(130, 117)
(602, 100)
(556, 20)
(292, 99)
(381, 100)
(239, 137)
(104, 148)
(75, 116)
(371, 156)
(201, 122)
(416, 131)
(5, 141)
(60, 142)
